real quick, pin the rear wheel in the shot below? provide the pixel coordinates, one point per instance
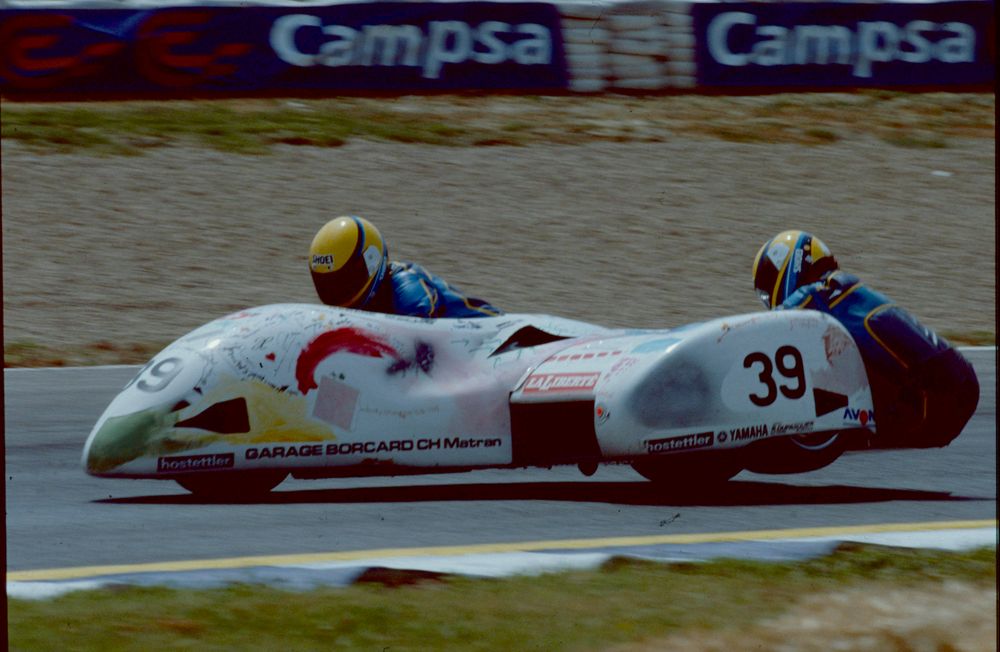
(692, 470)
(797, 453)
(232, 486)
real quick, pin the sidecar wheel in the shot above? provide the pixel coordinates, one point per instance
(692, 470)
(232, 486)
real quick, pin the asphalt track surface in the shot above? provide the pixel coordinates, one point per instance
(59, 517)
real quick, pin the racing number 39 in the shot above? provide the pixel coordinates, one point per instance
(794, 371)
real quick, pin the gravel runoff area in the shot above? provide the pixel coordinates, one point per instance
(145, 248)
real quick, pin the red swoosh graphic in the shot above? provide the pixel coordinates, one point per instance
(351, 340)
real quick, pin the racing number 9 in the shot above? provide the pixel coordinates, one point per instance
(160, 374)
(795, 371)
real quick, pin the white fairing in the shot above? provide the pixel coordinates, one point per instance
(717, 385)
(323, 387)
(309, 387)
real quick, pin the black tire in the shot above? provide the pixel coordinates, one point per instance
(691, 470)
(238, 485)
(797, 453)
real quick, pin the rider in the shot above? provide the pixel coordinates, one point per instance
(350, 267)
(924, 390)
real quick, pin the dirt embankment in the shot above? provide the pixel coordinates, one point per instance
(141, 249)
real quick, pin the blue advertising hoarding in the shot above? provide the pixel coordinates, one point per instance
(383, 46)
(844, 44)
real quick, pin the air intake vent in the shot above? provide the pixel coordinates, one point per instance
(228, 418)
(527, 337)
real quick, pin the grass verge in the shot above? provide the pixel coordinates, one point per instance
(624, 602)
(253, 126)
(33, 354)
(971, 338)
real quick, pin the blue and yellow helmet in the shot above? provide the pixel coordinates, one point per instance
(788, 261)
(348, 260)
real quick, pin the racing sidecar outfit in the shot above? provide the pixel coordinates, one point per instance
(924, 390)
(418, 293)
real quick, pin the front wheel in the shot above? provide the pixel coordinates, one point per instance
(238, 485)
(691, 470)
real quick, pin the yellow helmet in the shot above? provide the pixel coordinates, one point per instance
(788, 261)
(348, 260)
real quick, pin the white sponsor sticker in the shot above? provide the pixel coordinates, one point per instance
(777, 253)
(560, 382)
(373, 258)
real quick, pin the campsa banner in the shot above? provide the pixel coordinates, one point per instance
(810, 44)
(384, 46)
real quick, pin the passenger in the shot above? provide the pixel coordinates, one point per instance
(923, 389)
(350, 267)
